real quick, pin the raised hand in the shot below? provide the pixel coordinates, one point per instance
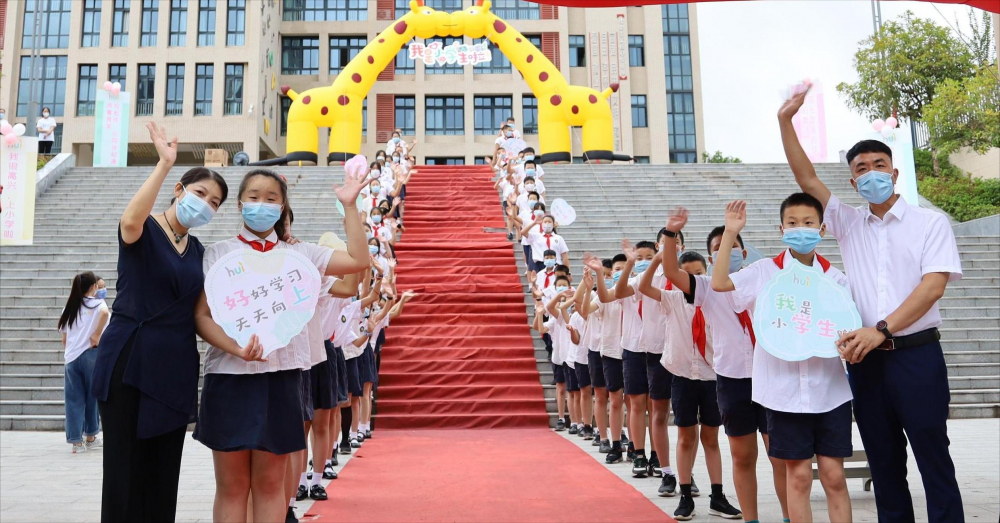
(167, 149)
(736, 216)
(397, 200)
(408, 295)
(629, 251)
(792, 105)
(677, 220)
(593, 262)
(353, 184)
(588, 279)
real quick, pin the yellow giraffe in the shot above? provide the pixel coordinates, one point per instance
(560, 105)
(339, 105)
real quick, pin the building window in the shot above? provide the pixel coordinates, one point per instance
(445, 115)
(86, 91)
(144, 90)
(299, 55)
(406, 114)
(405, 64)
(50, 84)
(364, 117)
(343, 49)
(675, 18)
(175, 90)
(454, 68)
(178, 22)
(636, 53)
(577, 51)
(578, 159)
(150, 21)
(53, 30)
(677, 62)
(237, 22)
(119, 23)
(286, 104)
(439, 5)
(445, 161)
(320, 10)
(641, 159)
(206, 22)
(639, 110)
(480, 160)
(681, 126)
(516, 10)
(91, 23)
(118, 73)
(204, 81)
(490, 111)
(529, 114)
(234, 90)
(499, 64)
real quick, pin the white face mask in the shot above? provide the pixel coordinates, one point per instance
(45, 115)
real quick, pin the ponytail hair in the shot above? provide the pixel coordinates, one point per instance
(81, 284)
(279, 226)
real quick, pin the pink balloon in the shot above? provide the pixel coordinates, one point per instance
(891, 122)
(116, 88)
(10, 139)
(356, 165)
(878, 124)
(6, 129)
(887, 131)
(107, 86)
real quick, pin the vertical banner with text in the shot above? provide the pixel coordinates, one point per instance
(111, 129)
(810, 124)
(17, 203)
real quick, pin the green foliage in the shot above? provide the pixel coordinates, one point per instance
(980, 38)
(719, 158)
(965, 113)
(924, 162)
(954, 192)
(900, 68)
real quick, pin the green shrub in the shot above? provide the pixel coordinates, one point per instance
(963, 198)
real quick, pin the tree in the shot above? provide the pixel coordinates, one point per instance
(965, 113)
(719, 158)
(980, 38)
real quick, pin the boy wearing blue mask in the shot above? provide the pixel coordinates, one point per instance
(548, 323)
(558, 309)
(808, 402)
(733, 341)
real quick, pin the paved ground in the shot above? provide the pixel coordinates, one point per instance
(33, 463)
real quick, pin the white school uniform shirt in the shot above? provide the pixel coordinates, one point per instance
(370, 202)
(527, 217)
(611, 328)
(312, 334)
(631, 323)
(292, 356)
(541, 242)
(344, 320)
(382, 231)
(733, 355)
(78, 336)
(560, 339)
(811, 386)
(378, 329)
(592, 333)
(653, 321)
(350, 350)
(887, 258)
(546, 280)
(579, 349)
(680, 354)
(522, 204)
(390, 147)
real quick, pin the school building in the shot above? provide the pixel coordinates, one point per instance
(211, 72)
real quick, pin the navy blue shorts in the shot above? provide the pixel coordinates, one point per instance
(353, 377)
(614, 378)
(323, 378)
(596, 366)
(694, 402)
(527, 253)
(560, 373)
(572, 385)
(634, 367)
(800, 435)
(740, 415)
(366, 365)
(582, 374)
(539, 266)
(659, 378)
(305, 397)
(341, 366)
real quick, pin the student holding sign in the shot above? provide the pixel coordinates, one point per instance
(900, 258)
(808, 400)
(251, 407)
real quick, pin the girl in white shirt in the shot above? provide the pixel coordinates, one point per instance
(251, 406)
(46, 128)
(82, 322)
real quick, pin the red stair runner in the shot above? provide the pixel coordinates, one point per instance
(461, 356)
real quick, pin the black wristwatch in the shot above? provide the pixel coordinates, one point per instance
(883, 327)
(669, 233)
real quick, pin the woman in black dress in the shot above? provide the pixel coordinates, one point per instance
(146, 375)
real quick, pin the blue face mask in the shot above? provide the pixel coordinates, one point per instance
(395, 140)
(529, 157)
(735, 259)
(562, 288)
(529, 172)
(609, 283)
(642, 266)
(875, 186)
(101, 294)
(549, 262)
(376, 189)
(616, 276)
(376, 219)
(260, 216)
(373, 250)
(369, 234)
(802, 240)
(192, 211)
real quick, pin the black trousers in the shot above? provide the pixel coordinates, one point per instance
(140, 475)
(44, 147)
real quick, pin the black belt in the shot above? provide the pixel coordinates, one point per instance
(911, 340)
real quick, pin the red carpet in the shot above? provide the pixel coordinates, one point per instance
(522, 475)
(461, 356)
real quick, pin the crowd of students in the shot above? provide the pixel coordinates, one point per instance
(649, 330)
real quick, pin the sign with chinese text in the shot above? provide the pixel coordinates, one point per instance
(563, 212)
(111, 117)
(802, 312)
(435, 53)
(17, 202)
(810, 124)
(271, 294)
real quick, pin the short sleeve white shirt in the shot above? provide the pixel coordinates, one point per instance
(592, 333)
(580, 349)
(78, 336)
(733, 355)
(651, 338)
(681, 356)
(631, 321)
(559, 334)
(611, 328)
(543, 242)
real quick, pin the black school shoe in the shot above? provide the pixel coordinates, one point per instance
(654, 466)
(720, 507)
(630, 455)
(640, 467)
(345, 449)
(694, 489)
(560, 425)
(625, 440)
(290, 516)
(328, 472)
(595, 439)
(614, 456)
(605, 446)
(587, 433)
(334, 461)
(318, 493)
(685, 509)
(573, 430)
(668, 487)
(368, 433)
(302, 493)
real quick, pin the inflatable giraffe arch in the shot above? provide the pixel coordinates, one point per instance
(560, 105)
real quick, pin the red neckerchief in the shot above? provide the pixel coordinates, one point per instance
(255, 244)
(698, 330)
(779, 260)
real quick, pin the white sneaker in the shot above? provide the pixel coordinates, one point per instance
(98, 443)
(79, 448)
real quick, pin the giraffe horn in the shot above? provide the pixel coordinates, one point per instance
(479, 2)
(420, 3)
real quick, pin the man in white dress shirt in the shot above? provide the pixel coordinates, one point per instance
(899, 258)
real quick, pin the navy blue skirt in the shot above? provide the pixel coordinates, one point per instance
(305, 396)
(353, 377)
(341, 365)
(323, 376)
(366, 365)
(252, 412)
